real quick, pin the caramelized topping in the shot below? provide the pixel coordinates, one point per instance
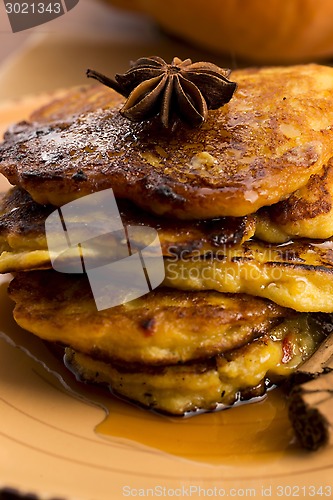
(181, 89)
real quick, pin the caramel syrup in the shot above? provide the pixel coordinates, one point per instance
(258, 430)
(237, 434)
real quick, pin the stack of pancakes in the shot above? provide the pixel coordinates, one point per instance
(243, 210)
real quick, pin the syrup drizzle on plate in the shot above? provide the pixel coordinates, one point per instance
(257, 430)
(221, 437)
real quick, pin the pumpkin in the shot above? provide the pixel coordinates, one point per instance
(126, 4)
(261, 31)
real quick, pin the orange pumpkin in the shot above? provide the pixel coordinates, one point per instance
(262, 31)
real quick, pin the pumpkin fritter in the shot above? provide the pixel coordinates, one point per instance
(254, 151)
(24, 247)
(306, 213)
(165, 326)
(236, 374)
(297, 274)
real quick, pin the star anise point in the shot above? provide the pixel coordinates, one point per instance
(181, 89)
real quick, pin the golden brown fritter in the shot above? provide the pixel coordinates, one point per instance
(78, 100)
(24, 246)
(306, 213)
(203, 385)
(254, 151)
(165, 326)
(22, 221)
(298, 274)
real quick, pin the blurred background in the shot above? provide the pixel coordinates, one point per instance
(106, 35)
(92, 35)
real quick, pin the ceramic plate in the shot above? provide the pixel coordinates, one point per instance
(62, 439)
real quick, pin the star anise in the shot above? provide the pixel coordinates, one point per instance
(184, 89)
